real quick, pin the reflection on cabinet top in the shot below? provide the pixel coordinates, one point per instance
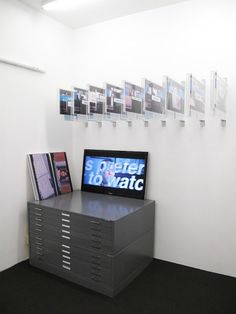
(107, 207)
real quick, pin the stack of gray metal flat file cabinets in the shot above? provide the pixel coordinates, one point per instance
(99, 241)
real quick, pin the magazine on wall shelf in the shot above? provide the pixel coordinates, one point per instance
(133, 98)
(80, 97)
(66, 104)
(96, 100)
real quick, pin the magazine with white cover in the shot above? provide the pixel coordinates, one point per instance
(32, 178)
(42, 176)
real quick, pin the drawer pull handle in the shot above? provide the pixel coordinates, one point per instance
(38, 219)
(65, 215)
(38, 208)
(66, 267)
(38, 214)
(96, 279)
(96, 275)
(66, 262)
(96, 235)
(65, 231)
(37, 229)
(38, 243)
(65, 220)
(96, 229)
(64, 256)
(65, 246)
(39, 248)
(95, 222)
(96, 241)
(39, 253)
(65, 226)
(66, 252)
(38, 238)
(96, 268)
(96, 263)
(38, 225)
(65, 237)
(96, 247)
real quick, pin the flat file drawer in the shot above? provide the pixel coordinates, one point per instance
(71, 251)
(81, 224)
(83, 263)
(42, 212)
(74, 229)
(96, 241)
(74, 277)
(58, 217)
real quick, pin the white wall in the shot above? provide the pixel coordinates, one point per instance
(29, 119)
(192, 171)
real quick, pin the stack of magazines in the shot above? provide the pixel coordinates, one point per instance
(50, 175)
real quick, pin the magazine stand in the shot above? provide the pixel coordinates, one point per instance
(149, 116)
(69, 117)
(112, 117)
(97, 118)
(83, 118)
(179, 118)
(128, 118)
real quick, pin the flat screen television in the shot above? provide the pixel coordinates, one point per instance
(121, 173)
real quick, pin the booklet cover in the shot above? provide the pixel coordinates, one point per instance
(114, 101)
(133, 98)
(61, 172)
(80, 101)
(175, 96)
(197, 95)
(49, 174)
(65, 98)
(41, 176)
(96, 100)
(153, 97)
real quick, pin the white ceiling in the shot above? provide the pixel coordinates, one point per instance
(96, 11)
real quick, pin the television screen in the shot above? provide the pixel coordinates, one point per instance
(120, 173)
